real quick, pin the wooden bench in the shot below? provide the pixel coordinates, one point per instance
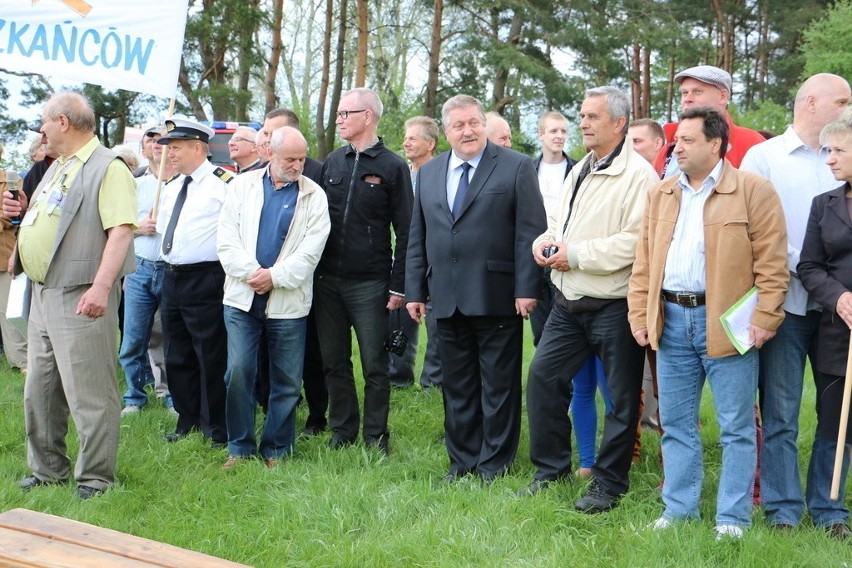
(29, 539)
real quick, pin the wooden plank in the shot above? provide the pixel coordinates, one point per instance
(24, 550)
(106, 540)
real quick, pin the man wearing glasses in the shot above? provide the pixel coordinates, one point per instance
(241, 149)
(359, 277)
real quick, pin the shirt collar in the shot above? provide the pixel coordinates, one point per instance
(205, 168)
(711, 181)
(84, 152)
(455, 161)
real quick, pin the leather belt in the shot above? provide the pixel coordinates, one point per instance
(685, 299)
(195, 267)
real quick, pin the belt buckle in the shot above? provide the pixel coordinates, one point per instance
(690, 299)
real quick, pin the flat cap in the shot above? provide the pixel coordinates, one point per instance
(709, 74)
(155, 130)
(183, 129)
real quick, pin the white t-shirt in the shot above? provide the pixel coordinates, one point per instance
(550, 180)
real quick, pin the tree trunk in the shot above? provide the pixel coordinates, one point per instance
(270, 99)
(322, 144)
(636, 81)
(338, 79)
(430, 103)
(363, 31)
(646, 84)
(499, 100)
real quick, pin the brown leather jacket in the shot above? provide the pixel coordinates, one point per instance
(8, 232)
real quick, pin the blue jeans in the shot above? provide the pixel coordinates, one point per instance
(584, 408)
(143, 291)
(341, 305)
(782, 370)
(682, 365)
(286, 341)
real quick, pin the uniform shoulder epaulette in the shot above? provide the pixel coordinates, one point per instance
(223, 175)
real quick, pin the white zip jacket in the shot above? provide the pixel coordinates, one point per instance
(293, 272)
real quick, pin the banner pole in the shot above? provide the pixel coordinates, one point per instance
(163, 159)
(841, 432)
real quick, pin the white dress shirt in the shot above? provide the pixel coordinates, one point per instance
(454, 173)
(686, 261)
(799, 174)
(195, 233)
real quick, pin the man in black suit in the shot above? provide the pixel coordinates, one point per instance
(476, 213)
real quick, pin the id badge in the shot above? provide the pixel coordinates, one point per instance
(29, 218)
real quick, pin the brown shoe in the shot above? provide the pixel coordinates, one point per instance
(271, 462)
(231, 463)
(839, 531)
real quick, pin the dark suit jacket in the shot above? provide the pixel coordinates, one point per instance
(482, 261)
(313, 170)
(825, 268)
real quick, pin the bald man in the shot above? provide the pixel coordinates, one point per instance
(795, 164)
(497, 130)
(271, 235)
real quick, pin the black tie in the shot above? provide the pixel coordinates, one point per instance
(462, 189)
(170, 230)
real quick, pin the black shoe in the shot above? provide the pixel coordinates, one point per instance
(401, 384)
(175, 436)
(218, 445)
(537, 486)
(451, 478)
(85, 492)
(31, 482)
(596, 500)
(840, 531)
(338, 442)
(312, 430)
(382, 443)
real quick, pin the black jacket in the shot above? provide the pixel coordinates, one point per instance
(825, 268)
(571, 163)
(368, 192)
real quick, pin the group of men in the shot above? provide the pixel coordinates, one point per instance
(604, 257)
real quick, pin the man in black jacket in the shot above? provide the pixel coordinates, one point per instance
(359, 278)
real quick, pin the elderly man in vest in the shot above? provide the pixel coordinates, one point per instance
(75, 244)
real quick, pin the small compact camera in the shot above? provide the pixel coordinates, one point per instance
(396, 343)
(549, 251)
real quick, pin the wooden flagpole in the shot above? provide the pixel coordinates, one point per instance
(844, 423)
(163, 159)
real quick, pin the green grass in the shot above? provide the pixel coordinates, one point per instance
(353, 508)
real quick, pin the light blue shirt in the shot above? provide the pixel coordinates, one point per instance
(686, 261)
(799, 174)
(147, 247)
(454, 173)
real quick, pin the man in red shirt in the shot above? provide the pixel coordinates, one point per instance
(705, 85)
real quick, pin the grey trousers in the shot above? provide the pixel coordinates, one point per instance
(72, 369)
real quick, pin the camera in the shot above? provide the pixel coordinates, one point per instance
(396, 343)
(549, 251)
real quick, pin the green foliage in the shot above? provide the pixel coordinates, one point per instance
(768, 116)
(354, 508)
(827, 42)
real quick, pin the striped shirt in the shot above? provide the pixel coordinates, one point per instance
(685, 263)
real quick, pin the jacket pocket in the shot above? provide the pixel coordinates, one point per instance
(500, 266)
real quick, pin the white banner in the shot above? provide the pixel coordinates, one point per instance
(132, 44)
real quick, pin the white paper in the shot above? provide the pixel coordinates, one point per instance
(737, 319)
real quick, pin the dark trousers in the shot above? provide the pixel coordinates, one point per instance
(401, 368)
(195, 348)
(343, 305)
(313, 377)
(568, 340)
(431, 374)
(539, 315)
(481, 358)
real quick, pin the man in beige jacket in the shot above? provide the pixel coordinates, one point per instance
(709, 236)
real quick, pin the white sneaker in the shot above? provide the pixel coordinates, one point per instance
(728, 531)
(130, 409)
(661, 524)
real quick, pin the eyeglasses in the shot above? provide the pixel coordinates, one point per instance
(241, 139)
(344, 114)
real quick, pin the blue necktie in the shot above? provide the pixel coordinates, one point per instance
(170, 230)
(462, 189)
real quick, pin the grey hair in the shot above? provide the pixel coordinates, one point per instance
(617, 103)
(842, 126)
(127, 154)
(75, 107)
(428, 127)
(369, 99)
(457, 102)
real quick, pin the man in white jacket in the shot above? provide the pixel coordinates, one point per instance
(272, 232)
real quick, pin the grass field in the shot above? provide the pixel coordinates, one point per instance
(354, 508)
